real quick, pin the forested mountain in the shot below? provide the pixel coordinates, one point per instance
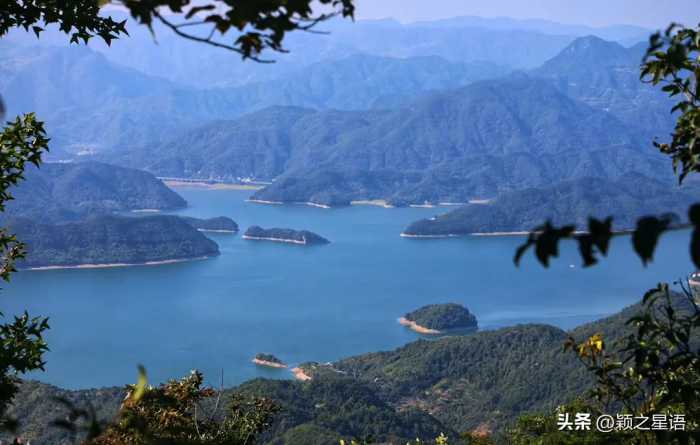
(110, 240)
(570, 202)
(474, 142)
(54, 79)
(101, 105)
(605, 75)
(587, 118)
(69, 191)
(452, 384)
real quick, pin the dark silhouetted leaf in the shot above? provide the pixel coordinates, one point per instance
(646, 236)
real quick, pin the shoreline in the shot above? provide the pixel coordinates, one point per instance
(275, 240)
(115, 265)
(280, 203)
(403, 321)
(372, 202)
(313, 204)
(211, 186)
(409, 235)
(455, 235)
(499, 234)
(300, 374)
(269, 364)
(218, 231)
(260, 201)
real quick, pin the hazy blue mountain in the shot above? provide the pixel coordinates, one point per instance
(605, 75)
(110, 240)
(474, 142)
(625, 34)
(69, 191)
(570, 202)
(86, 101)
(53, 79)
(189, 63)
(91, 104)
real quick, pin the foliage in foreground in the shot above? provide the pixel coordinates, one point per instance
(22, 344)
(655, 371)
(175, 413)
(259, 25)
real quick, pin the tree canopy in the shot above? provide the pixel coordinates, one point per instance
(260, 25)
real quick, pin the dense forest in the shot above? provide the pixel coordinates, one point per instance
(111, 240)
(58, 192)
(626, 199)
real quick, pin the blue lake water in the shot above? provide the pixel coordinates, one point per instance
(307, 304)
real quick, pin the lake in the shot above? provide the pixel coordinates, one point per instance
(308, 303)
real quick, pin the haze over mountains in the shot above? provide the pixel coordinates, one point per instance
(440, 112)
(513, 43)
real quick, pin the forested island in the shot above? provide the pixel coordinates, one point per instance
(111, 241)
(300, 237)
(440, 318)
(268, 360)
(220, 224)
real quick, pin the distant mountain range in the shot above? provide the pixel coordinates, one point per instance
(520, 44)
(582, 117)
(91, 104)
(416, 130)
(474, 142)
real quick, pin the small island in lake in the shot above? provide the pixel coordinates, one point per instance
(268, 360)
(440, 318)
(219, 224)
(301, 237)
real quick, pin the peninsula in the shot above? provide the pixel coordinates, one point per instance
(269, 361)
(569, 202)
(111, 241)
(299, 237)
(437, 319)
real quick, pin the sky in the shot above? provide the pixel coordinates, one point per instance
(646, 13)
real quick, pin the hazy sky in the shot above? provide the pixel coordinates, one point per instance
(649, 13)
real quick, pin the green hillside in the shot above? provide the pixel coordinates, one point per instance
(69, 191)
(109, 240)
(626, 199)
